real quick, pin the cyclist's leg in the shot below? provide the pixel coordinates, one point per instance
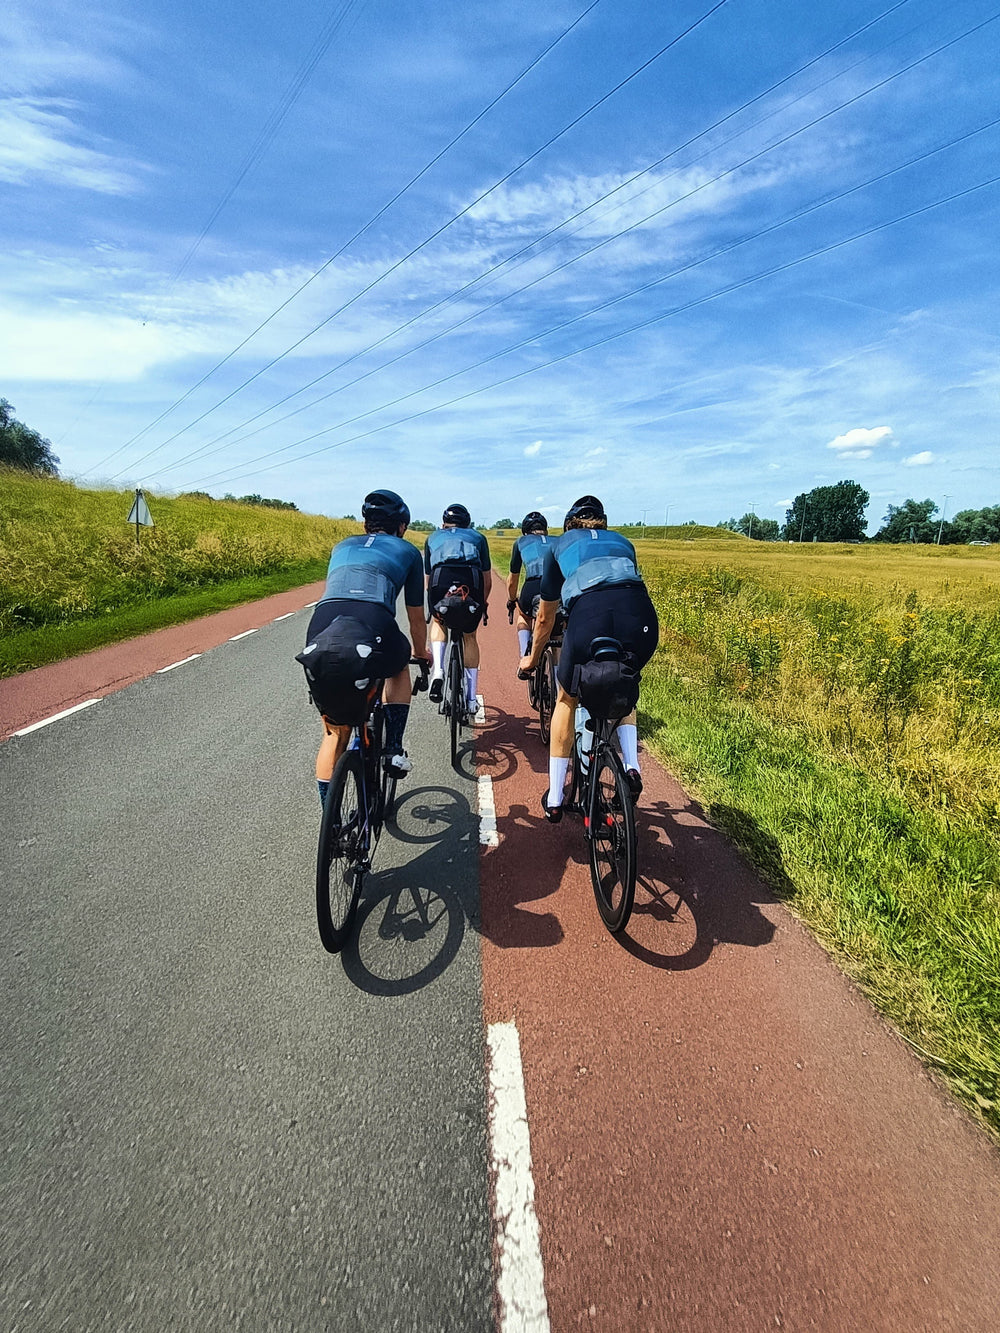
(635, 625)
(436, 640)
(560, 749)
(470, 646)
(334, 743)
(396, 697)
(523, 626)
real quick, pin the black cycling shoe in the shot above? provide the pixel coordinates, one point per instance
(552, 814)
(437, 690)
(634, 783)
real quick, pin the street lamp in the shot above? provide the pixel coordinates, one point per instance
(941, 524)
(644, 513)
(666, 518)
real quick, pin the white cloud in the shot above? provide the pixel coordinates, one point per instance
(36, 143)
(782, 504)
(595, 453)
(919, 460)
(533, 450)
(859, 442)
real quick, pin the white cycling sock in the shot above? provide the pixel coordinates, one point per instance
(523, 635)
(628, 742)
(437, 659)
(471, 684)
(558, 768)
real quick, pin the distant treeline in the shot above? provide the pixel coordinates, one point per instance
(260, 500)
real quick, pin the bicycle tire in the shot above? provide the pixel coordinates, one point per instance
(455, 690)
(611, 834)
(342, 849)
(546, 695)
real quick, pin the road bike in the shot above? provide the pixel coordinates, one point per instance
(360, 798)
(455, 703)
(599, 790)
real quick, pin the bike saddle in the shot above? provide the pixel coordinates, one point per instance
(606, 649)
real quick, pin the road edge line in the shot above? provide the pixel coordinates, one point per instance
(488, 834)
(520, 1279)
(55, 717)
(160, 670)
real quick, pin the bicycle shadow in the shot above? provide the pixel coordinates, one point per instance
(487, 750)
(412, 916)
(693, 879)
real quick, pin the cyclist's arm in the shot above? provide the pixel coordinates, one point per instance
(512, 582)
(487, 583)
(514, 577)
(544, 622)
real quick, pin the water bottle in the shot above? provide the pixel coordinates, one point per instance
(584, 736)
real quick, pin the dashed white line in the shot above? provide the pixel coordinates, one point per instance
(55, 717)
(243, 635)
(480, 716)
(160, 670)
(521, 1276)
(284, 617)
(488, 835)
(308, 604)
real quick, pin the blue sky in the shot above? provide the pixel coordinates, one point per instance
(729, 368)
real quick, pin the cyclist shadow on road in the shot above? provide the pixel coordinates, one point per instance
(693, 880)
(421, 894)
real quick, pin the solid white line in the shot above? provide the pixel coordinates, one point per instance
(521, 1277)
(243, 635)
(284, 617)
(488, 835)
(308, 604)
(161, 670)
(55, 717)
(480, 717)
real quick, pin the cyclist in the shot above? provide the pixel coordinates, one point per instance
(595, 575)
(528, 554)
(456, 556)
(363, 582)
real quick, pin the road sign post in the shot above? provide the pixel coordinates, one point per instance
(139, 514)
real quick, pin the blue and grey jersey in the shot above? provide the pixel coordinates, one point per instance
(373, 568)
(529, 554)
(586, 558)
(456, 546)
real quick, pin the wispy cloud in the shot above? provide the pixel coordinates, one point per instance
(533, 450)
(919, 460)
(37, 144)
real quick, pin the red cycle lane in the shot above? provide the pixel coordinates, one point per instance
(725, 1135)
(37, 694)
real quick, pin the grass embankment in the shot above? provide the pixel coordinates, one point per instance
(837, 709)
(72, 577)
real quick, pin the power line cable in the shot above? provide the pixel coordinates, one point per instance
(598, 245)
(405, 258)
(612, 337)
(350, 241)
(206, 448)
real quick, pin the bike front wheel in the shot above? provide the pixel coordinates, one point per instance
(611, 833)
(342, 854)
(546, 695)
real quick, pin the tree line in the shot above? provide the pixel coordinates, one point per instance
(837, 514)
(22, 447)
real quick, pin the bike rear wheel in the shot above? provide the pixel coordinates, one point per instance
(343, 852)
(455, 694)
(611, 833)
(546, 695)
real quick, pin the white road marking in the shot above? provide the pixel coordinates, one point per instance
(488, 835)
(55, 717)
(172, 665)
(521, 1277)
(243, 635)
(480, 716)
(284, 617)
(310, 604)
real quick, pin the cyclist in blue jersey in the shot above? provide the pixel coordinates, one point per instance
(365, 576)
(456, 556)
(594, 574)
(528, 555)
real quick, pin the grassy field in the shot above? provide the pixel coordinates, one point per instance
(72, 576)
(837, 710)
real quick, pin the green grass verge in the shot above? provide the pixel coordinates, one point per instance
(905, 898)
(51, 643)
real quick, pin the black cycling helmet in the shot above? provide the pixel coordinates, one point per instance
(588, 506)
(534, 522)
(385, 507)
(457, 514)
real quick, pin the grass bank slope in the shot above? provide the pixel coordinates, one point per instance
(73, 578)
(838, 710)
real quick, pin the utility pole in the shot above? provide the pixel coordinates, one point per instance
(802, 526)
(666, 519)
(753, 506)
(941, 524)
(644, 513)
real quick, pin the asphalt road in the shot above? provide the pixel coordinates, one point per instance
(207, 1120)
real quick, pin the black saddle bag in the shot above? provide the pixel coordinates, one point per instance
(459, 611)
(607, 689)
(344, 665)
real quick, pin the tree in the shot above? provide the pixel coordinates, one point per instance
(22, 447)
(828, 514)
(421, 525)
(976, 525)
(912, 521)
(752, 525)
(503, 524)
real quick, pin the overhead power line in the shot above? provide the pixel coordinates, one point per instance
(405, 258)
(350, 241)
(692, 304)
(531, 250)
